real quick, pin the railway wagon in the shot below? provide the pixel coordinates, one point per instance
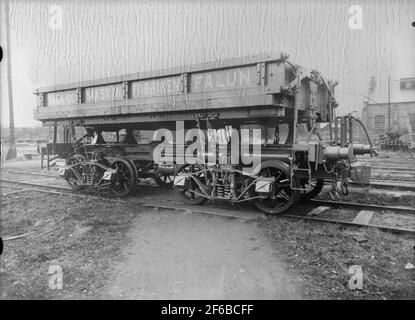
(256, 128)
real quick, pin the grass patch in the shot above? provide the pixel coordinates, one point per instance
(82, 236)
(323, 253)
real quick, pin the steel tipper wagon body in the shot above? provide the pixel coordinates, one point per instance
(232, 129)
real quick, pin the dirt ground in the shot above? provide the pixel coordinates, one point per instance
(115, 250)
(190, 256)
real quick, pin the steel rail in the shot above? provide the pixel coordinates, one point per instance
(28, 173)
(327, 202)
(314, 201)
(400, 185)
(52, 189)
(374, 185)
(212, 211)
(397, 230)
(363, 205)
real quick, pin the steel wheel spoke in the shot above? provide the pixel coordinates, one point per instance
(284, 196)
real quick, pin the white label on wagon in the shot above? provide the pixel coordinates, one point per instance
(61, 171)
(262, 186)
(179, 180)
(107, 175)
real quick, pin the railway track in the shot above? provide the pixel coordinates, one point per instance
(30, 186)
(364, 206)
(403, 185)
(361, 219)
(399, 185)
(29, 173)
(312, 211)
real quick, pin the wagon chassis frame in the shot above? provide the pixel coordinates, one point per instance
(206, 191)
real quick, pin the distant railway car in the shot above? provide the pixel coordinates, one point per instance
(256, 128)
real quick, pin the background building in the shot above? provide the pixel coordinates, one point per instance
(58, 42)
(396, 117)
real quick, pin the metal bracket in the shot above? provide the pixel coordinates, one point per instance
(261, 74)
(185, 83)
(79, 95)
(40, 100)
(293, 170)
(125, 85)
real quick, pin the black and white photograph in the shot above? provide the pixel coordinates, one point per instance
(206, 150)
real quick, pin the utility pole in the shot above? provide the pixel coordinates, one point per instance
(11, 154)
(389, 104)
(1, 58)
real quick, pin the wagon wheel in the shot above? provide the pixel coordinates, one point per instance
(125, 178)
(315, 188)
(164, 181)
(70, 177)
(187, 193)
(281, 197)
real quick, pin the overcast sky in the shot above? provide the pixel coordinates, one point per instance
(106, 38)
